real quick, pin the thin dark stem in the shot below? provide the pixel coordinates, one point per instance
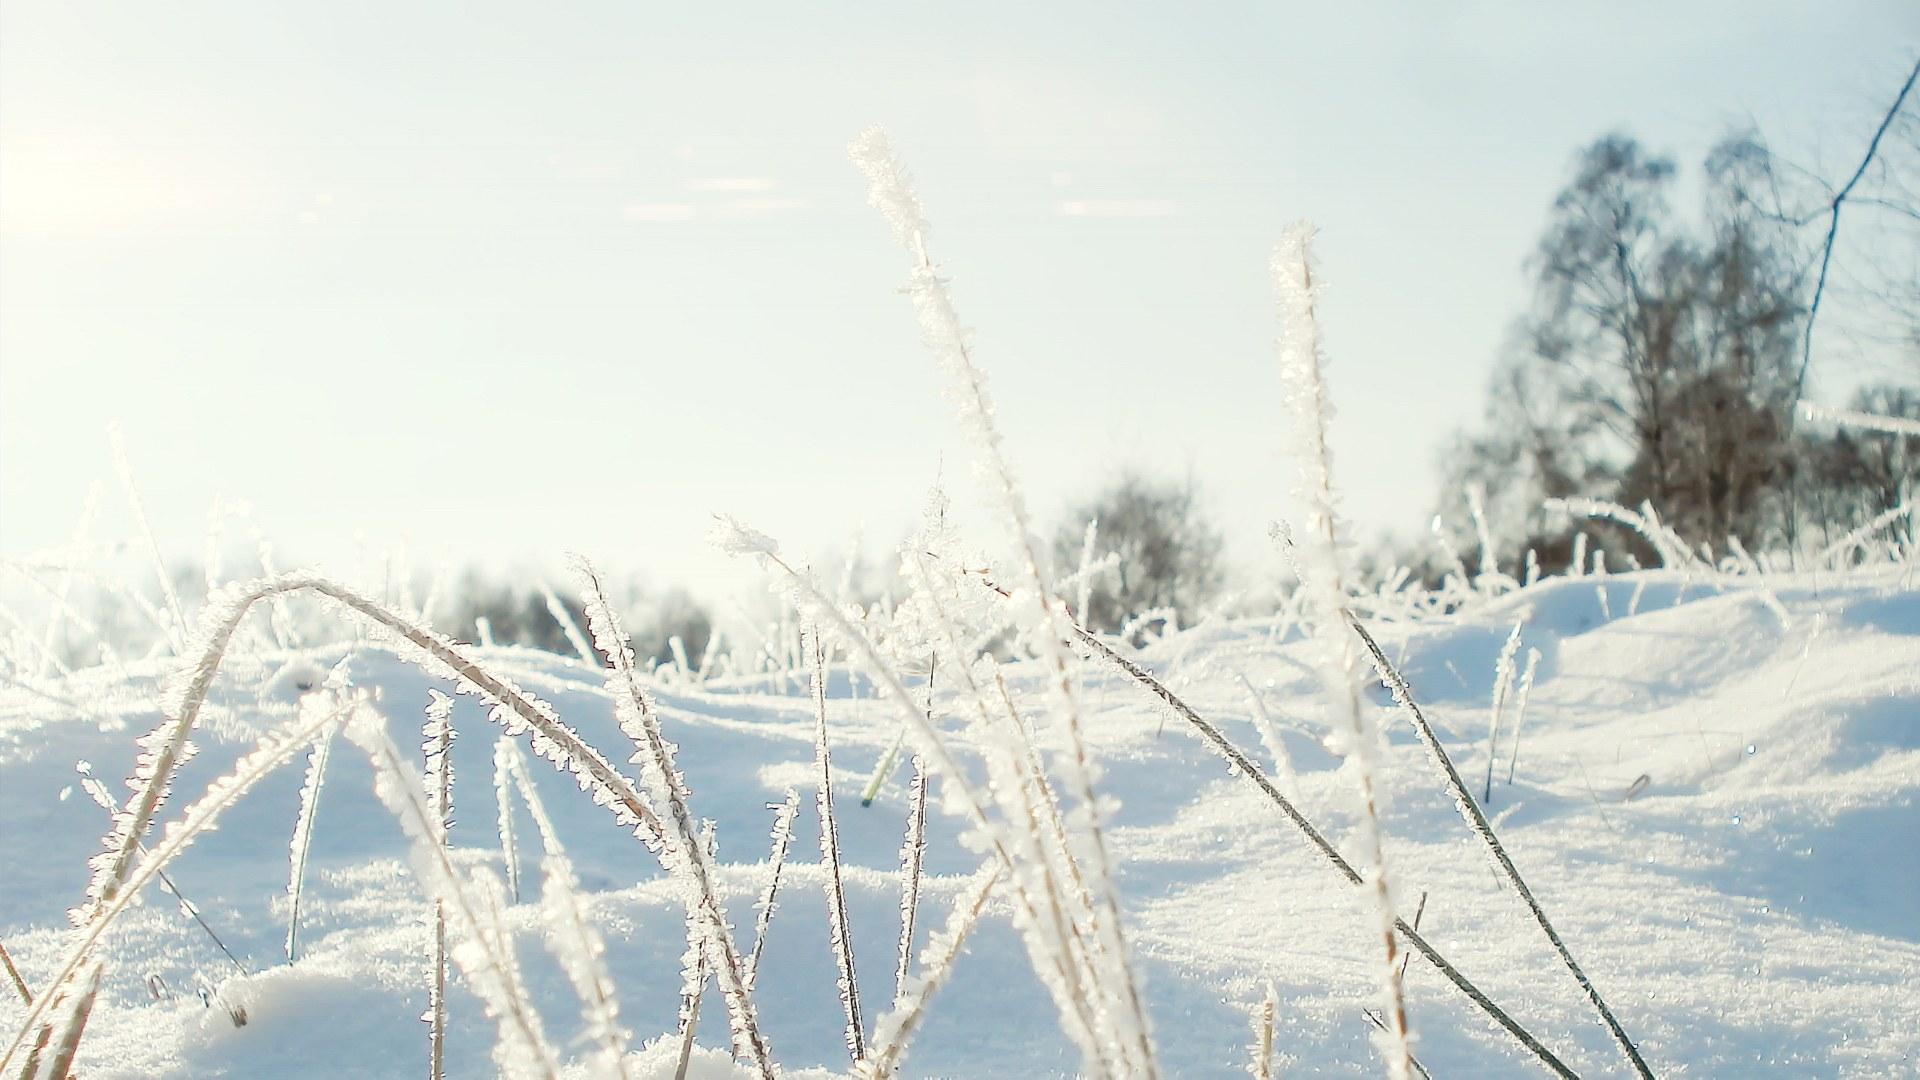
(1247, 768)
(1374, 1019)
(193, 911)
(1477, 821)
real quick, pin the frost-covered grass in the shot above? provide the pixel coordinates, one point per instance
(1700, 863)
(1710, 804)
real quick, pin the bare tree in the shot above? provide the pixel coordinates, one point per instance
(1170, 556)
(1657, 361)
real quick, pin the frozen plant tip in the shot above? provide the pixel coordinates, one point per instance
(1323, 577)
(1262, 1065)
(1520, 708)
(1502, 686)
(303, 836)
(782, 834)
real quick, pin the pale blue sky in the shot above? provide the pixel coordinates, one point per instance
(510, 280)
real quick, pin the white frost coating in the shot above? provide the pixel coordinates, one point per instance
(1085, 573)
(503, 753)
(1520, 707)
(482, 946)
(893, 1032)
(1052, 960)
(694, 968)
(1044, 864)
(1673, 550)
(436, 742)
(913, 851)
(104, 799)
(164, 748)
(1043, 622)
(303, 835)
(568, 627)
(734, 538)
(889, 190)
(58, 1065)
(1502, 686)
(582, 955)
(782, 834)
(839, 935)
(1262, 1049)
(1891, 425)
(570, 935)
(1322, 576)
(274, 750)
(685, 857)
(1270, 736)
(1844, 546)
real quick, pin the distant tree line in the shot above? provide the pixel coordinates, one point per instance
(1169, 553)
(517, 613)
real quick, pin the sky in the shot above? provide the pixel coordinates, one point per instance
(501, 282)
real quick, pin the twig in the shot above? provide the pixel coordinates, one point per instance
(1833, 229)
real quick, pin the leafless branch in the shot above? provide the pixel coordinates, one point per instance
(1833, 227)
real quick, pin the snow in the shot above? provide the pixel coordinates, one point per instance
(1715, 800)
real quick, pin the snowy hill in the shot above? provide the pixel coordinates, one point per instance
(1713, 795)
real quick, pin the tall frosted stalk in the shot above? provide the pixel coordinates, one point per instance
(1044, 624)
(1323, 578)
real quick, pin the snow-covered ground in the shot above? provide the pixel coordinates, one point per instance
(1714, 797)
